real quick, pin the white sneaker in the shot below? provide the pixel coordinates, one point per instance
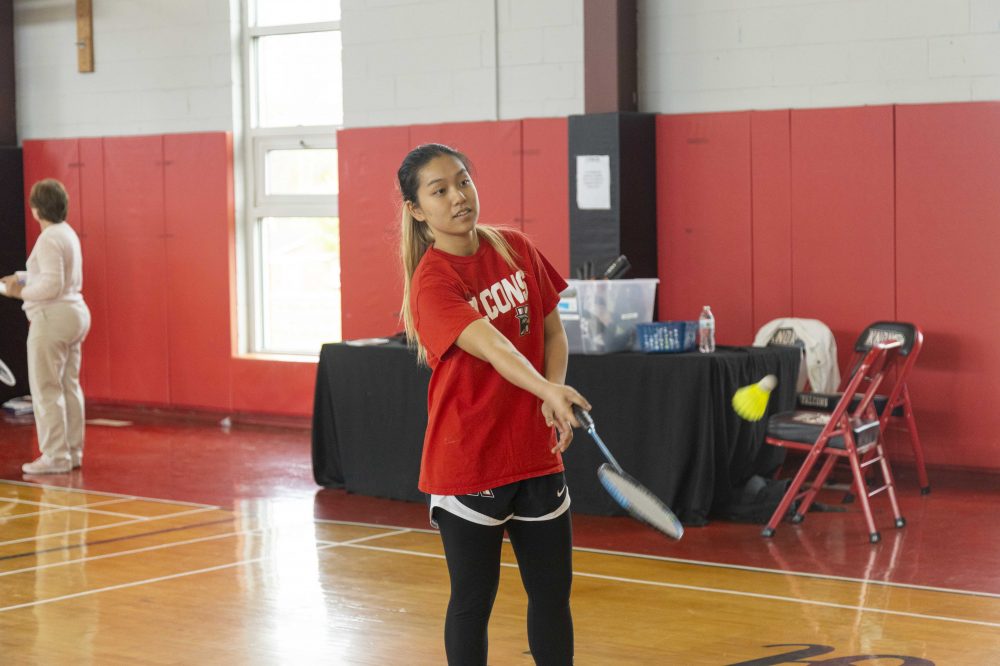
(76, 458)
(45, 465)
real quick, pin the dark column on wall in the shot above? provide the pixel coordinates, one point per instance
(626, 223)
(615, 146)
(13, 325)
(8, 117)
(610, 60)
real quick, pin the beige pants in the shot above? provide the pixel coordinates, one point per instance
(55, 338)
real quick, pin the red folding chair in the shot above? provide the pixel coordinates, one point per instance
(845, 432)
(896, 405)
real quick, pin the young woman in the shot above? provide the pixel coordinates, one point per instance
(479, 306)
(60, 321)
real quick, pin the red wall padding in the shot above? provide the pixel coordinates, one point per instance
(96, 372)
(198, 212)
(155, 216)
(770, 161)
(370, 276)
(846, 215)
(843, 260)
(545, 187)
(137, 269)
(947, 254)
(704, 220)
(272, 386)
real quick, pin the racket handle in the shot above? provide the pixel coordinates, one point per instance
(583, 416)
(617, 268)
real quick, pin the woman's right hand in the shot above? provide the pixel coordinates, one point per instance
(559, 400)
(11, 286)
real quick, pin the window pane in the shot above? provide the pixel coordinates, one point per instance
(301, 171)
(300, 283)
(299, 80)
(285, 12)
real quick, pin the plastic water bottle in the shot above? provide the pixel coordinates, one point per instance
(706, 331)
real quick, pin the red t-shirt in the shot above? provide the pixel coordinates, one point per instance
(482, 431)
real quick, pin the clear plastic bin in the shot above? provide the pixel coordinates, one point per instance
(600, 316)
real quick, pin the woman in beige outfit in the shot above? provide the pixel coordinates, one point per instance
(59, 321)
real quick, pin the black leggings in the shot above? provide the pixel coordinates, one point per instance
(544, 551)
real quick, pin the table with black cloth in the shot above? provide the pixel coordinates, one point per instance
(667, 418)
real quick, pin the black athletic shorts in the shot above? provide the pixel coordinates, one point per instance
(535, 499)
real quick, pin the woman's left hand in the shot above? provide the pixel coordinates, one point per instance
(564, 435)
(13, 287)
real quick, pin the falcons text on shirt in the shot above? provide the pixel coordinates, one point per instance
(501, 296)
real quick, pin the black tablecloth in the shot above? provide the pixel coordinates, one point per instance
(666, 417)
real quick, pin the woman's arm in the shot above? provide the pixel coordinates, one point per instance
(482, 340)
(556, 360)
(47, 283)
(556, 348)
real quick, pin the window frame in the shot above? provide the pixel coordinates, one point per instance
(257, 204)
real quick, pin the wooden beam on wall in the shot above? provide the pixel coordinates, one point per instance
(84, 36)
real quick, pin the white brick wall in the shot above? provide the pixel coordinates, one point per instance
(541, 57)
(721, 55)
(167, 65)
(422, 61)
(161, 66)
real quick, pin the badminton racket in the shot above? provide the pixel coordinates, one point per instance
(631, 495)
(750, 402)
(6, 376)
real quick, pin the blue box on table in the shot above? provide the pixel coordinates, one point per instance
(667, 336)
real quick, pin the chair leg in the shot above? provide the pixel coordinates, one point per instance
(792, 491)
(862, 491)
(890, 485)
(918, 450)
(817, 484)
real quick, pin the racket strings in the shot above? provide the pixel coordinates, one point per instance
(639, 501)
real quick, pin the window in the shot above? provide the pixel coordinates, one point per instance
(293, 106)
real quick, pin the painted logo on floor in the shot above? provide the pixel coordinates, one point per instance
(803, 651)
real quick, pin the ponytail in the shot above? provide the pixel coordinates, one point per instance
(416, 237)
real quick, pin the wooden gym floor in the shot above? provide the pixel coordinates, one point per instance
(180, 542)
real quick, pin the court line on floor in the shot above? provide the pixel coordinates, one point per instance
(133, 551)
(101, 492)
(21, 500)
(401, 530)
(79, 508)
(183, 574)
(714, 590)
(359, 543)
(106, 527)
(88, 544)
(720, 565)
(101, 542)
(53, 508)
(783, 572)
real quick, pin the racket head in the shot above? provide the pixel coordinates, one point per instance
(6, 376)
(639, 501)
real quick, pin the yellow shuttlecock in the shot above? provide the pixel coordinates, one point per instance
(750, 402)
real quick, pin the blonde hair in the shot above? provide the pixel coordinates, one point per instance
(416, 237)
